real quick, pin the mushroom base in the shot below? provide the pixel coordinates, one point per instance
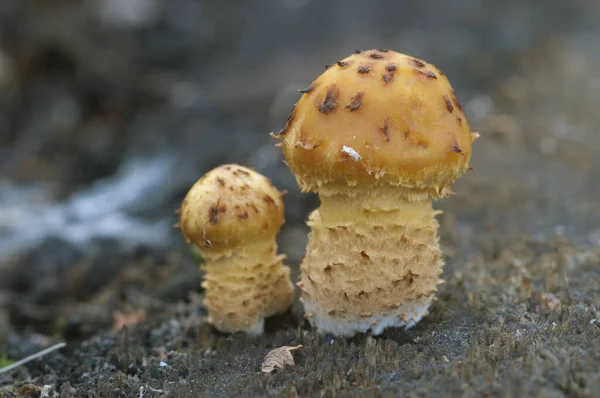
(406, 315)
(372, 261)
(246, 287)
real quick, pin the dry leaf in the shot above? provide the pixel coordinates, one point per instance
(120, 320)
(29, 388)
(278, 359)
(549, 302)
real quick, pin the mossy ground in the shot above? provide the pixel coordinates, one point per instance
(520, 320)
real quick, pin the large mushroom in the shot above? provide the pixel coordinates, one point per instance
(232, 214)
(378, 136)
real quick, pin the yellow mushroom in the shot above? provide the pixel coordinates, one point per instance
(233, 215)
(378, 136)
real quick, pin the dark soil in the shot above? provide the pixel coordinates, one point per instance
(83, 93)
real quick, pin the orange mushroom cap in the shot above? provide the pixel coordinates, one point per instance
(377, 117)
(229, 205)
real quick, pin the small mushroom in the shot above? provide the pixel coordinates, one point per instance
(393, 139)
(232, 214)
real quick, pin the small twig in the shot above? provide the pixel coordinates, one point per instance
(32, 357)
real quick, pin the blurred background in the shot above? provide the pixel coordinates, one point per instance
(111, 109)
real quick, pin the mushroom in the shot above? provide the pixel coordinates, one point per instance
(232, 214)
(378, 136)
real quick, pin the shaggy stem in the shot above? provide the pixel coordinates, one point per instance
(372, 254)
(246, 286)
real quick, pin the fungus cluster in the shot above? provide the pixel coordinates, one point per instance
(378, 136)
(233, 215)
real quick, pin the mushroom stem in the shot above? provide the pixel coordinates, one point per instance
(373, 260)
(236, 284)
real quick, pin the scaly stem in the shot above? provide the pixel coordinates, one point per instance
(372, 261)
(246, 286)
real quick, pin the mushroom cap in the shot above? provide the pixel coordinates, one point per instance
(228, 206)
(378, 116)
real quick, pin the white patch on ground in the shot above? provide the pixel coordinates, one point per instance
(352, 153)
(107, 209)
(127, 12)
(405, 316)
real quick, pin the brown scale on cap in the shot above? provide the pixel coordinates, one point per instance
(364, 69)
(427, 73)
(417, 63)
(405, 147)
(455, 99)
(456, 148)
(290, 119)
(387, 77)
(232, 215)
(269, 200)
(214, 211)
(355, 102)
(307, 90)
(389, 74)
(384, 129)
(448, 104)
(329, 103)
